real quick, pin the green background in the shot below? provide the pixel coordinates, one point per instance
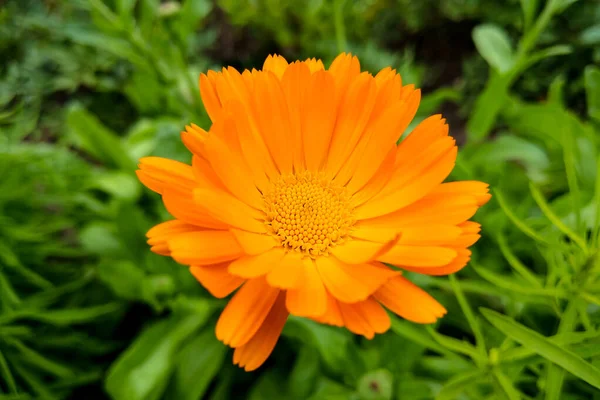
(87, 87)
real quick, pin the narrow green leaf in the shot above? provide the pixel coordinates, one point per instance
(556, 221)
(592, 90)
(555, 375)
(37, 360)
(494, 45)
(529, 8)
(468, 312)
(564, 340)
(455, 344)
(511, 285)
(515, 263)
(516, 220)
(91, 135)
(544, 347)
(67, 316)
(508, 390)
(418, 335)
(459, 383)
(7, 375)
(488, 105)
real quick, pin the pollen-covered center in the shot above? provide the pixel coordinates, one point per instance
(307, 213)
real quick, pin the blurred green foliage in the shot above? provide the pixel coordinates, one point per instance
(87, 87)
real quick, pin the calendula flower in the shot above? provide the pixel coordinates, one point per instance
(298, 199)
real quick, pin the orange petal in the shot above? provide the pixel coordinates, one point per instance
(383, 133)
(205, 175)
(352, 117)
(449, 209)
(258, 265)
(255, 151)
(309, 299)
(184, 208)
(425, 133)
(193, 138)
(418, 256)
(254, 353)
(254, 243)
(294, 84)
(287, 273)
(409, 301)
(159, 234)
(478, 189)
(231, 169)
(318, 119)
(365, 318)
(231, 211)
(204, 247)
(273, 120)
(275, 64)
(216, 279)
(344, 68)
(332, 315)
(158, 174)
(351, 283)
(209, 97)
(246, 312)
(453, 266)
(377, 182)
(313, 64)
(411, 191)
(362, 251)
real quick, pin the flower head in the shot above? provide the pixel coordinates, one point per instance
(298, 196)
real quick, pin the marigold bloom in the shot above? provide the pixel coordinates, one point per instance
(298, 197)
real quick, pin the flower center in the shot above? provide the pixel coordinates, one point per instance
(307, 213)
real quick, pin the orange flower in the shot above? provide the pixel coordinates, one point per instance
(298, 197)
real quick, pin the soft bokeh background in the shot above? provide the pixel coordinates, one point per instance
(87, 87)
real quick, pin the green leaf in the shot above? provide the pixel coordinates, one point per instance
(65, 316)
(506, 385)
(39, 361)
(329, 341)
(123, 277)
(590, 36)
(418, 334)
(143, 370)
(90, 135)
(529, 8)
(7, 374)
(269, 386)
(558, 50)
(123, 186)
(459, 383)
(556, 221)
(544, 347)
(516, 220)
(305, 372)
(592, 90)
(488, 105)
(494, 45)
(198, 362)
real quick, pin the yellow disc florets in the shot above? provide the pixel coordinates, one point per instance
(307, 213)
